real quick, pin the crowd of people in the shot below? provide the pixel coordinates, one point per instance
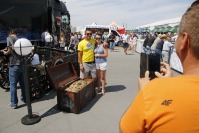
(160, 44)
(64, 41)
(70, 41)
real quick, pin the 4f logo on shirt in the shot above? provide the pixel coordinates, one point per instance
(166, 102)
(89, 45)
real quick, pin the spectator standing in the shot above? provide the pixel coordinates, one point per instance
(55, 40)
(160, 44)
(62, 40)
(125, 40)
(105, 37)
(79, 36)
(146, 40)
(151, 40)
(43, 35)
(86, 56)
(72, 41)
(15, 71)
(157, 39)
(166, 48)
(111, 39)
(76, 41)
(133, 44)
(170, 104)
(101, 54)
(67, 36)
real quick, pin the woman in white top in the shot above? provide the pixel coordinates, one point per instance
(133, 44)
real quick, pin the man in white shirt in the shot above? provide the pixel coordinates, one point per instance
(166, 48)
(43, 35)
(125, 39)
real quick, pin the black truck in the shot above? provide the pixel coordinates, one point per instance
(30, 17)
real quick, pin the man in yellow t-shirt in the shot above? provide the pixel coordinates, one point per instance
(86, 56)
(170, 104)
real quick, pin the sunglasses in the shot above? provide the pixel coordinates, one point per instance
(98, 38)
(195, 3)
(88, 34)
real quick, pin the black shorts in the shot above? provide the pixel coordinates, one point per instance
(125, 45)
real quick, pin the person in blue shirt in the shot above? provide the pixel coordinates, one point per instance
(101, 54)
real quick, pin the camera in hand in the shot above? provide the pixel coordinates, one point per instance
(150, 62)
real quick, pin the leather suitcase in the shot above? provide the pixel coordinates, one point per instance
(61, 77)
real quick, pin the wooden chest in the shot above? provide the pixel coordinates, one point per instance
(61, 77)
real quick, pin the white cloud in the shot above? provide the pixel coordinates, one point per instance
(132, 13)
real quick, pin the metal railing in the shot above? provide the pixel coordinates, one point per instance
(51, 57)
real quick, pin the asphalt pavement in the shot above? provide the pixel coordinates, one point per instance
(101, 115)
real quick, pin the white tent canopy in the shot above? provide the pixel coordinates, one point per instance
(163, 22)
(101, 26)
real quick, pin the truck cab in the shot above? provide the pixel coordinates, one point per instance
(30, 17)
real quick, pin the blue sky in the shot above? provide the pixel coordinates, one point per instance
(130, 13)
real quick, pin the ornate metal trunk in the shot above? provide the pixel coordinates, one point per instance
(72, 93)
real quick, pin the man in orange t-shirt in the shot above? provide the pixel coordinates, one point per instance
(170, 104)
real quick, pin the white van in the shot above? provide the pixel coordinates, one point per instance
(102, 28)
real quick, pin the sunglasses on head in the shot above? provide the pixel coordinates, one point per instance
(88, 34)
